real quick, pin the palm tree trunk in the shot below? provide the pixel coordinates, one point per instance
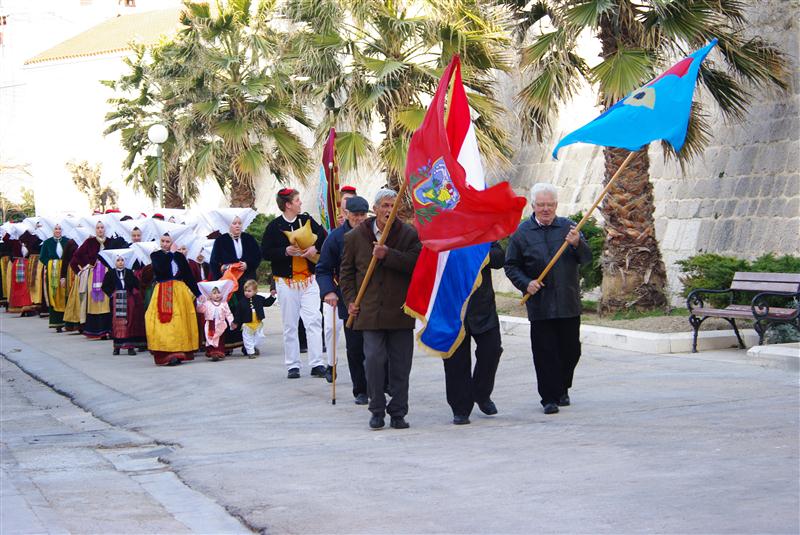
(634, 276)
(172, 195)
(243, 195)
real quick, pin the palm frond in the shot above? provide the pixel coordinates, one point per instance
(622, 72)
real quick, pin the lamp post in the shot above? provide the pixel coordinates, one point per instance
(158, 134)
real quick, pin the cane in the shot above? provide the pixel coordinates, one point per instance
(333, 395)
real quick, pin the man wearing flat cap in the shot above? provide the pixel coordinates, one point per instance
(328, 280)
(388, 332)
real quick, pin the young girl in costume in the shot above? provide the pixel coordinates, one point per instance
(213, 305)
(127, 308)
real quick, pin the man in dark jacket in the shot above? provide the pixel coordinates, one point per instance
(465, 387)
(554, 308)
(388, 331)
(328, 280)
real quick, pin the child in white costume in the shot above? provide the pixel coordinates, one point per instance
(249, 314)
(213, 305)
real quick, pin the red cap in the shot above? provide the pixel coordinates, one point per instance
(286, 191)
(348, 189)
(158, 216)
(97, 212)
(112, 211)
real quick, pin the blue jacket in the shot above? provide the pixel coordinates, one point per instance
(330, 258)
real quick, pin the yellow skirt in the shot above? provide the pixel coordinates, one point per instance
(34, 277)
(56, 294)
(180, 333)
(4, 271)
(74, 311)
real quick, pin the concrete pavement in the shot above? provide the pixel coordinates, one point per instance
(704, 443)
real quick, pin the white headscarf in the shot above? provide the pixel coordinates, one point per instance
(111, 255)
(222, 218)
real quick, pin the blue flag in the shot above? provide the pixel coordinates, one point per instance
(658, 110)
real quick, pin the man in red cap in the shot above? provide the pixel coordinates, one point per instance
(345, 192)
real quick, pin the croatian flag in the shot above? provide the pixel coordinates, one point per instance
(444, 280)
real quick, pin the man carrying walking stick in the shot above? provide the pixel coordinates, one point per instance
(388, 332)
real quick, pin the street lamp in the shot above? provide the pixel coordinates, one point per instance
(158, 134)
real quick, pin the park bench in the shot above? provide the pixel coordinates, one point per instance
(766, 286)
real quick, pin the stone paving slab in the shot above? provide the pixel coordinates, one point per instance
(703, 443)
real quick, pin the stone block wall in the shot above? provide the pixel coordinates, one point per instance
(742, 197)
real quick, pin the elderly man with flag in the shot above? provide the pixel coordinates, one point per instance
(659, 109)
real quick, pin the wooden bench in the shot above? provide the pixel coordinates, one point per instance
(765, 285)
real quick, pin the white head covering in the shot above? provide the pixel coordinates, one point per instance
(178, 213)
(147, 226)
(48, 225)
(180, 234)
(224, 285)
(90, 224)
(198, 222)
(34, 227)
(114, 225)
(208, 246)
(194, 247)
(144, 249)
(111, 255)
(16, 230)
(221, 218)
(5, 228)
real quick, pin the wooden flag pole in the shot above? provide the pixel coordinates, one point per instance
(582, 222)
(381, 241)
(333, 392)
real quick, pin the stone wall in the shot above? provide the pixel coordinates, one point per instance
(742, 197)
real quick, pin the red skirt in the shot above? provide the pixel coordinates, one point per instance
(20, 296)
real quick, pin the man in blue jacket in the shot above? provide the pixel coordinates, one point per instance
(328, 281)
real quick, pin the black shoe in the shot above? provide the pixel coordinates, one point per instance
(318, 371)
(131, 351)
(174, 362)
(563, 401)
(550, 408)
(488, 407)
(460, 419)
(256, 351)
(294, 373)
(329, 374)
(377, 421)
(215, 359)
(59, 329)
(398, 422)
(244, 352)
(361, 399)
(116, 351)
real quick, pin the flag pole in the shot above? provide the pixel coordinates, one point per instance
(333, 392)
(381, 241)
(582, 221)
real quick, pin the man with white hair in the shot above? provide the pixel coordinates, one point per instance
(388, 331)
(554, 308)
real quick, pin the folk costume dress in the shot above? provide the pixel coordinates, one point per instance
(52, 258)
(217, 317)
(19, 295)
(127, 306)
(95, 307)
(201, 271)
(35, 271)
(298, 293)
(5, 258)
(72, 308)
(170, 320)
(228, 252)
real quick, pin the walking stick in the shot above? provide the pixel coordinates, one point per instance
(374, 261)
(333, 394)
(582, 222)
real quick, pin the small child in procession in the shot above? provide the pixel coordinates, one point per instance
(213, 305)
(249, 314)
(121, 285)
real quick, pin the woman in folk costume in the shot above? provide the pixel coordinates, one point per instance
(55, 286)
(235, 256)
(90, 270)
(19, 295)
(291, 242)
(5, 258)
(32, 239)
(217, 315)
(127, 308)
(170, 320)
(73, 311)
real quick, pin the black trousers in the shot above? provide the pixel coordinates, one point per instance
(556, 350)
(465, 386)
(355, 360)
(396, 348)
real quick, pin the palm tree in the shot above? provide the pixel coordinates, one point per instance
(638, 39)
(379, 61)
(234, 98)
(136, 107)
(226, 97)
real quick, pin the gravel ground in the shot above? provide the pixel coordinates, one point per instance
(510, 306)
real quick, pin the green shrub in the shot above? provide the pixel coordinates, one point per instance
(713, 271)
(592, 274)
(256, 229)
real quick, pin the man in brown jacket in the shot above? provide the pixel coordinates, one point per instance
(388, 331)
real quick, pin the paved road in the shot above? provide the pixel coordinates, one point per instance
(702, 443)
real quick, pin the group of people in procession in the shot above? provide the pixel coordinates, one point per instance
(146, 285)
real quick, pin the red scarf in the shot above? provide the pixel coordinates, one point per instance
(165, 301)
